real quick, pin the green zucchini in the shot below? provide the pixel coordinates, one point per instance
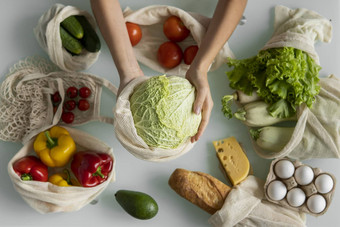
(255, 114)
(70, 43)
(72, 25)
(271, 138)
(90, 39)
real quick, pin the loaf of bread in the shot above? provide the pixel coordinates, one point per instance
(201, 189)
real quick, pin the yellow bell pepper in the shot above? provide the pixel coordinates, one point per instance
(61, 179)
(55, 147)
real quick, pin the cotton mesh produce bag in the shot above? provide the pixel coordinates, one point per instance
(48, 36)
(246, 205)
(126, 131)
(46, 197)
(25, 98)
(151, 21)
(317, 132)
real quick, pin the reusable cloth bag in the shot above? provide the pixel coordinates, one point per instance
(25, 98)
(317, 131)
(151, 21)
(45, 197)
(246, 205)
(48, 36)
(126, 132)
(299, 28)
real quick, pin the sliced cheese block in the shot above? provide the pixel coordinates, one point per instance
(232, 158)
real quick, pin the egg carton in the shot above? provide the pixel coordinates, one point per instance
(295, 182)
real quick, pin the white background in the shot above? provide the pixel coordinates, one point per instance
(19, 17)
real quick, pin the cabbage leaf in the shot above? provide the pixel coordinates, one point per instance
(162, 111)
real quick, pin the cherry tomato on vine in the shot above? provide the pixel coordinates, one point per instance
(169, 54)
(189, 54)
(175, 30)
(135, 33)
(72, 92)
(83, 105)
(84, 92)
(67, 117)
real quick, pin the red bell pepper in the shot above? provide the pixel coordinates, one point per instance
(31, 168)
(91, 168)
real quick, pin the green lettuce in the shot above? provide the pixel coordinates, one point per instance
(283, 77)
(162, 111)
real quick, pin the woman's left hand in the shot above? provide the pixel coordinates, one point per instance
(203, 101)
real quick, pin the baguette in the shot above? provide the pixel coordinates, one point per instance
(201, 189)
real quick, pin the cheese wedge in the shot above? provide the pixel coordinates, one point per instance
(233, 159)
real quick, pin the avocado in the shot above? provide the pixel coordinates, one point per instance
(137, 204)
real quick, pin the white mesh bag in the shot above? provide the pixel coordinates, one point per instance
(25, 97)
(48, 36)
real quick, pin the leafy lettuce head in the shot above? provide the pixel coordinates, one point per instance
(162, 111)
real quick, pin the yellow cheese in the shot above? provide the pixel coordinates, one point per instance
(233, 160)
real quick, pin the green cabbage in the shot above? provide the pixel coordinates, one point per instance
(162, 111)
(284, 77)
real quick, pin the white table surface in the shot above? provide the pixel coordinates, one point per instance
(17, 19)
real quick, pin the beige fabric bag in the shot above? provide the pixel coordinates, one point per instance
(299, 28)
(25, 98)
(127, 134)
(246, 205)
(45, 197)
(317, 132)
(151, 20)
(48, 36)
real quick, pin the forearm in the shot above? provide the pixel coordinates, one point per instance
(224, 21)
(111, 23)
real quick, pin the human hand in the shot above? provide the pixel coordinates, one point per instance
(127, 78)
(203, 101)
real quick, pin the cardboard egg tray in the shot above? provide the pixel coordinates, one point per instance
(291, 183)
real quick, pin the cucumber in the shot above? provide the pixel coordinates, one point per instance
(69, 42)
(72, 25)
(90, 39)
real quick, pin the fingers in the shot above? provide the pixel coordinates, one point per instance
(199, 100)
(206, 112)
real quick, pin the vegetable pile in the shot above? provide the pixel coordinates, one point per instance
(77, 33)
(169, 53)
(162, 111)
(283, 77)
(56, 148)
(72, 101)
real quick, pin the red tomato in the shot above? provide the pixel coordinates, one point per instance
(84, 92)
(56, 98)
(72, 92)
(70, 105)
(67, 117)
(169, 54)
(83, 105)
(135, 33)
(175, 30)
(190, 53)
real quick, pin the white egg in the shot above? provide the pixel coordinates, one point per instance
(304, 175)
(296, 197)
(276, 190)
(316, 203)
(324, 183)
(284, 169)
